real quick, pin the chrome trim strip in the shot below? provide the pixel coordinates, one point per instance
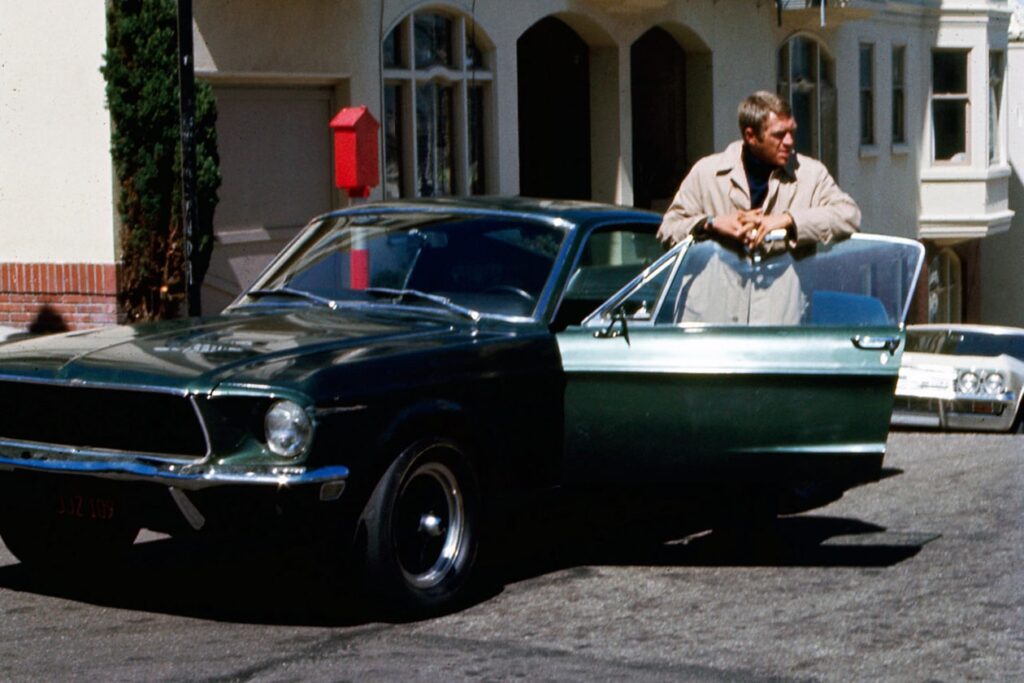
(202, 426)
(187, 478)
(88, 384)
(99, 453)
(324, 412)
(822, 449)
(188, 510)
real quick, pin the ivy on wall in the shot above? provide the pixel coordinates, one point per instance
(141, 72)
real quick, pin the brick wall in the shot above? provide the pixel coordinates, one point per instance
(50, 297)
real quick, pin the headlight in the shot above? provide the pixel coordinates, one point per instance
(288, 429)
(968, 382)
(994, 383)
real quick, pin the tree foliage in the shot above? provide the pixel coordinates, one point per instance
(141, 72)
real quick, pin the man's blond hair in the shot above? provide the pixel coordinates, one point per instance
(754, 110)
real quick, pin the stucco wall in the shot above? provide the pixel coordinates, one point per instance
(56, 188)
(1002, 271)
(317, 40)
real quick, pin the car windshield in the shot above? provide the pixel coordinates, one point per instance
(466, 265)
(965, 343)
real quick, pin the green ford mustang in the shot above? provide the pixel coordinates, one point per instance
(401, 370)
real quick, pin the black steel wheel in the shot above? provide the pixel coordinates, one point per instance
(422, 528)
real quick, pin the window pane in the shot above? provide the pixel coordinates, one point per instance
(950, 129)
(805, 115)
(474, 56)
(804, 54)
(949, 73)
(867, 95)
(995, 96)
(433, 40)
(898, 123)
(393, 48)
(805, 81)
(393, 180)
(475, 109)
(898, 115)
(434, 129)
(866, 66)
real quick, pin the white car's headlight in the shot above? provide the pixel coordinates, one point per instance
(288, 429)
(968, 382)
(994, 383)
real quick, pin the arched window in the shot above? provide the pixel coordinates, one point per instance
(944, 288)
(436, 85)
(807, 82)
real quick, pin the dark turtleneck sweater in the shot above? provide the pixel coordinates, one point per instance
(758, 173)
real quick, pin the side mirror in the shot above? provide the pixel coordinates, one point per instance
(618, 317)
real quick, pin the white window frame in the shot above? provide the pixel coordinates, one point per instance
(825, 131)
(964, 97)
(461, 77)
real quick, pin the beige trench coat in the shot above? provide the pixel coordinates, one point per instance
(717, 185)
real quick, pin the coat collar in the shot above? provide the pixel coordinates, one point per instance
(731, 164)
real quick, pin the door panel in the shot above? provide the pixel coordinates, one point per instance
(677, 405)
(655, 399)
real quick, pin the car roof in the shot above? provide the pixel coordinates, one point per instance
(573, 211)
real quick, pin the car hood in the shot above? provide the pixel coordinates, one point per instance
(196, 355)
(920, 359)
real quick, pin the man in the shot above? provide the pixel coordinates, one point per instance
(758, 187)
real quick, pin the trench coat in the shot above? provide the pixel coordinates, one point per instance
(822, 213)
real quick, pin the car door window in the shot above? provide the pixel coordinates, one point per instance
(610, 257)
(863, 281)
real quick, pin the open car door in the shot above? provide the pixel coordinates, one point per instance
(717, 365)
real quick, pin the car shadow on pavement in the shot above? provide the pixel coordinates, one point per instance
(266, 584)
(616, 535)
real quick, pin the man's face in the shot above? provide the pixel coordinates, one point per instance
(776, 142)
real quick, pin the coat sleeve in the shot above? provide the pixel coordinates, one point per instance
(688, 210)
(830, 214)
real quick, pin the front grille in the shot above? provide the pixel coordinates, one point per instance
(965, 406)
(108, 419)
(917, 405)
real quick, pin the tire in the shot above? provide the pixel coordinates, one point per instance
(47, 543)
(1018, 424)
(422, 529)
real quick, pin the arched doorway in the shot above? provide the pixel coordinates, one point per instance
(658, 67)
(554, 112)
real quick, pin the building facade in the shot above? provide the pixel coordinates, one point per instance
(915, 106)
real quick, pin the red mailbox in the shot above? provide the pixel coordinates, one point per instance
(356, 160)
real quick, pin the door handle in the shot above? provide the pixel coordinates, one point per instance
(869, 343)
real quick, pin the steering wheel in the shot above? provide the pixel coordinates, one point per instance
(512, 289)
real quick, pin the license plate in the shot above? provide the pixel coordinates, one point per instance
(926, 383)
(84, 507)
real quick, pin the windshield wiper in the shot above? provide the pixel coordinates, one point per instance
(295, 294)
(425, 296)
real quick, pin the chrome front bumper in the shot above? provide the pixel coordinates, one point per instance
(973, 414)
(190, 476)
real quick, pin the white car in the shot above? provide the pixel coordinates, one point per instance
(966, 377)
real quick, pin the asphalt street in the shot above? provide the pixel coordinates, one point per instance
(919, 577)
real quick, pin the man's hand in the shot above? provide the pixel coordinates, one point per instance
(736, 226)
(765, 225)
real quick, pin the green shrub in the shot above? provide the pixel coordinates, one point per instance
(141, 71)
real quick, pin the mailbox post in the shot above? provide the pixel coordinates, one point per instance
(356, 170)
